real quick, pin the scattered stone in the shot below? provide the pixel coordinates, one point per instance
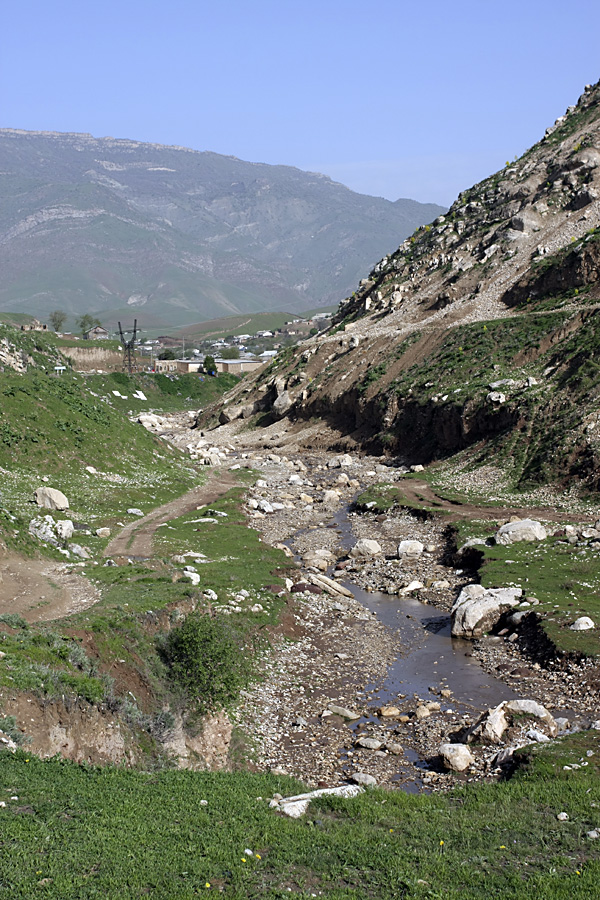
(134, 511)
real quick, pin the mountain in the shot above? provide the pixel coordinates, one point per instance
(479, 337)
(114, 227)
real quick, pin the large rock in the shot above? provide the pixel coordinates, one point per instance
(456, 757)
(410, 549)
(525, 530)
(50, 498)
(44, 530)
(490, 726)
(477, 609)
(366, 547)
(65, 529)
(229, 414)
(583, 623)
(282, 404)
(532, 708)
(364, 779)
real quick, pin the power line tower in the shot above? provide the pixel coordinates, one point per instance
(128, 347)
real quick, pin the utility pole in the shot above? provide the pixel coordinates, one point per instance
(128, 348)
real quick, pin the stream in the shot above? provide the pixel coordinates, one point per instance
(428, 661)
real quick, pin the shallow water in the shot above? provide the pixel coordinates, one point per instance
(428, 656)
(428, 660)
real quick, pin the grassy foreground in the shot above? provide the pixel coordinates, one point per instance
(79, 832)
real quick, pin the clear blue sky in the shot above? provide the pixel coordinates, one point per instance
(398, 99)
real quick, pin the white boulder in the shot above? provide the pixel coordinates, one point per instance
(50, 498)
(65, 529)
(410, 549)
(532, 708)
(456, 757)
(583, 623)
(524, 530)
(366, 547)
(477, 609)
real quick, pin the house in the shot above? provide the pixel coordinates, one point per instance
(96, 333)
(165, 365)
(238, 366)
(34, 325)
(189, 365)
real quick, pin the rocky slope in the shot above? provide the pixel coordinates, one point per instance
(482, 327)
(116, 226)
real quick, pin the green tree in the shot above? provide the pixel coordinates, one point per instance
(210, 364)
(167, 354)
(86, 322)
(57, 319)
(231, 353)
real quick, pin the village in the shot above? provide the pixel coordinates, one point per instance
(233, 354)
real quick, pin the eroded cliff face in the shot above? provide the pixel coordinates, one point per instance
(481, 327)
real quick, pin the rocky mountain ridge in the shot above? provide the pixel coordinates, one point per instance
(482, 327)
(114, 226)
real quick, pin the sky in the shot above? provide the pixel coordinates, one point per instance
(392, 98)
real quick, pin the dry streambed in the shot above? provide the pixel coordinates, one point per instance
(382, 656)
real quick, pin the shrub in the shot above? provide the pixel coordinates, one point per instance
(206, 661)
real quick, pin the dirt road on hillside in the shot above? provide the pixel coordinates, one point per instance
(42, 590)
(421, 493)
(136, 538)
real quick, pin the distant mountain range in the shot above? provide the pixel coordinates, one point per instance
(117, 227)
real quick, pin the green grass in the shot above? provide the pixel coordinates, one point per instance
(237, 558)
(138, 604)
(474, 355)
(250, 323)
(564, 577)
(83, 832)
(164, 393)
(388, 496)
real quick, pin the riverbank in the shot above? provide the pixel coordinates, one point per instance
(348, 651)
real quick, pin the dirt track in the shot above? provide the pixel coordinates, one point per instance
(419, 492)
(136, 538)
(42, 590)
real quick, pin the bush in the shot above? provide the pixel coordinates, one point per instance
(206, 661)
